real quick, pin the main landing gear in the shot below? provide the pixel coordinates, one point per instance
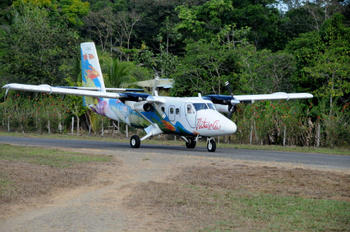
(135, 141)
(190, 142)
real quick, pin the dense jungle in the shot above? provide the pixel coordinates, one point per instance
(260, 46)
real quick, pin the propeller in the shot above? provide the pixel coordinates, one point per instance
(232, 104)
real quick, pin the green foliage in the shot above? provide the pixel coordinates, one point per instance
(264, 123)
(34, 112)
(323, 64)
(204, 21)
(205, 68)
(101, 27)
(117, 74)
(264, 71)
(65, 11)
(163, 63)
(36, 50)
(201, 44)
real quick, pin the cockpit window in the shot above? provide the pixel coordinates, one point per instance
(189, 108)
(203, 106)
(200, 106)
(211, 106)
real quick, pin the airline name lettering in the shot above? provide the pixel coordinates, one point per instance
(203, 124)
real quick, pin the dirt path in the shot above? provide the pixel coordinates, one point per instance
(95, 208)
(101, 207)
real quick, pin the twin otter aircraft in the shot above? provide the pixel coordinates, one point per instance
(189, 117)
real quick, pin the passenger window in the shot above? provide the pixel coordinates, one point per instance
(177, 111)
(171, 110)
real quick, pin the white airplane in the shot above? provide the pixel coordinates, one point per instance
(188, 117)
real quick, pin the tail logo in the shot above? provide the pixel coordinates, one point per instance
(88, 56)
(92, 73)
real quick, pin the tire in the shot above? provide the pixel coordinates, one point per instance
(135, 141)
(191, 143)
(211, 145)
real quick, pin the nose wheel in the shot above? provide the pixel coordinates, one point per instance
(211, 145)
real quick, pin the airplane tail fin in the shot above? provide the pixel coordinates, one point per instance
(91, 70)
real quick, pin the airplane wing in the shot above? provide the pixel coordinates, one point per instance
(226, 103)
(61, 90)
(87, 92)
(273, 96)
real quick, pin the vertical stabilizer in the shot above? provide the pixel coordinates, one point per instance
(91, 72)
(90, 67)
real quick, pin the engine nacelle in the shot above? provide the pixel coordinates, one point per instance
(142, 106)
(222, 108)
(147, 107)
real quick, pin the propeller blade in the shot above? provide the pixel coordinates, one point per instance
(227, 84)
(233, 102)
(231, 112)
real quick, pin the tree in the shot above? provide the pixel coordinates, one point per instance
(69, 12)
(323, 69)
(101, 26)
(36, 51)
(126, 22)
(204, 21)
(204, 68)
(264, 71)
(324, 64)
(117, 74)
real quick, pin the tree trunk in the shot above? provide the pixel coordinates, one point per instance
(72, 125)
(48, 126)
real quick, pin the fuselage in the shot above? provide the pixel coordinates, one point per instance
(183, 116)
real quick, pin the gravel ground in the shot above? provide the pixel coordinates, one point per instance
(100, 207)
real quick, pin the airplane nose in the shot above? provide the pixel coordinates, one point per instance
(229, 126)
(232, 127)
(212, 123)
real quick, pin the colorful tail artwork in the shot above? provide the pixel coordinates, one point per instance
(91, 71)
(92, 77)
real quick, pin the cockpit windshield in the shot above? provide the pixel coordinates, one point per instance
(211, 106)
(203, 106)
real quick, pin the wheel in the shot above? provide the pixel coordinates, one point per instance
(191, 143)
(211, 145)
(135, 141)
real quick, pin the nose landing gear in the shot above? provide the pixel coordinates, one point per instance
(211, 144)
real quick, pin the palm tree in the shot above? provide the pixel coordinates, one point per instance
(118, 74)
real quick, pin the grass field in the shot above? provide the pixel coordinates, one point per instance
(28, 171)
(245, 198)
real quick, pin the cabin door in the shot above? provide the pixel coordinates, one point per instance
(190, 114)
